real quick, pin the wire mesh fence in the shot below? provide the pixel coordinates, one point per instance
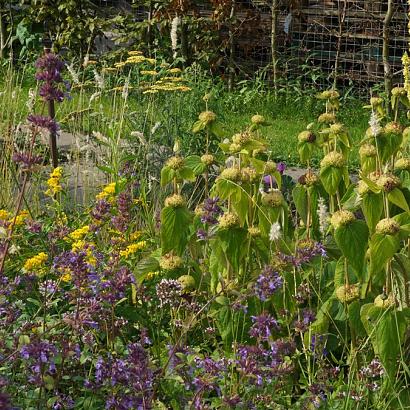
(322, 41)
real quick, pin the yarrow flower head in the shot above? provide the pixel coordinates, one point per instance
(268, 283)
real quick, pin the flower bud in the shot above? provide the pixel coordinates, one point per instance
(306, 136)
(273, 198)
(385, 301)
(187, 282)
(207, 117)
(367, 150)
(231, 174)
(326, 118)
(402, 164)
(388, 182)
(207, 159)
(170, 261)
(257, 119)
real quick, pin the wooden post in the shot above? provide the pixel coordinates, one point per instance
(386, 63)
(52, 114)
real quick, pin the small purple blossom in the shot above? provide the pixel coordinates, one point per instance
(281, 167)
(263, 326)
(211, 211)
(268, 282)
(44, 122)
(169, 292)
(27, 160)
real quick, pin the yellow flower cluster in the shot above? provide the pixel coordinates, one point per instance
(4, 215)
(54, 182)
(79, 233)
(107, 192)
(66, 277)
(82, 245)
(167, 84)
(135, 235)
(20, 218)
(135, 59)
(151, 275)
(133, 248)
(149, 72)
(35, 262)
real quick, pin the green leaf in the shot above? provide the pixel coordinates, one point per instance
(386, 329)
(167, 175)
(233, 241)
(186, 173)
(372, 207)
(352, 241)
(305, 150)
(175, 223)
(195, 164)
(198, 126)
(397, 197)
(299, 195)
(146, 265)
(382, 249)
(355, 323)
(331, 177)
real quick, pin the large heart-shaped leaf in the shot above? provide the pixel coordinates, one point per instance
(175, 224)
(352, 240)
(386, 329)
(331, 177)
(372, 207)
(382, 249)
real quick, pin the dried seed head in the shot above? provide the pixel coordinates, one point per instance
(170, 261)
(367, 150)
(402, 164)
(241, 138)
(175, 163)
(254, 231)
(187, 282)
(334, 159)
(207, 159)
(393, 128)
(362, 188)
(249, 174)
(311, 179)
(228, 220)
(257, 119)
(207, 117)
(231, 174)
(387, 226)
(337, 128)
(388, 182)
(376, 102)
(306, 136)
(385, 301)
(270, 166)
(175, 201)
(398, 91)
(273, 198)
(348, 293)
(326, 118)
(342, 218)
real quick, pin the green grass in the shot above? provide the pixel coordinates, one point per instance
(287, 114)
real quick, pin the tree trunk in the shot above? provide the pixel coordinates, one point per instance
(386, 63)
(274, 17)
(231, 65)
